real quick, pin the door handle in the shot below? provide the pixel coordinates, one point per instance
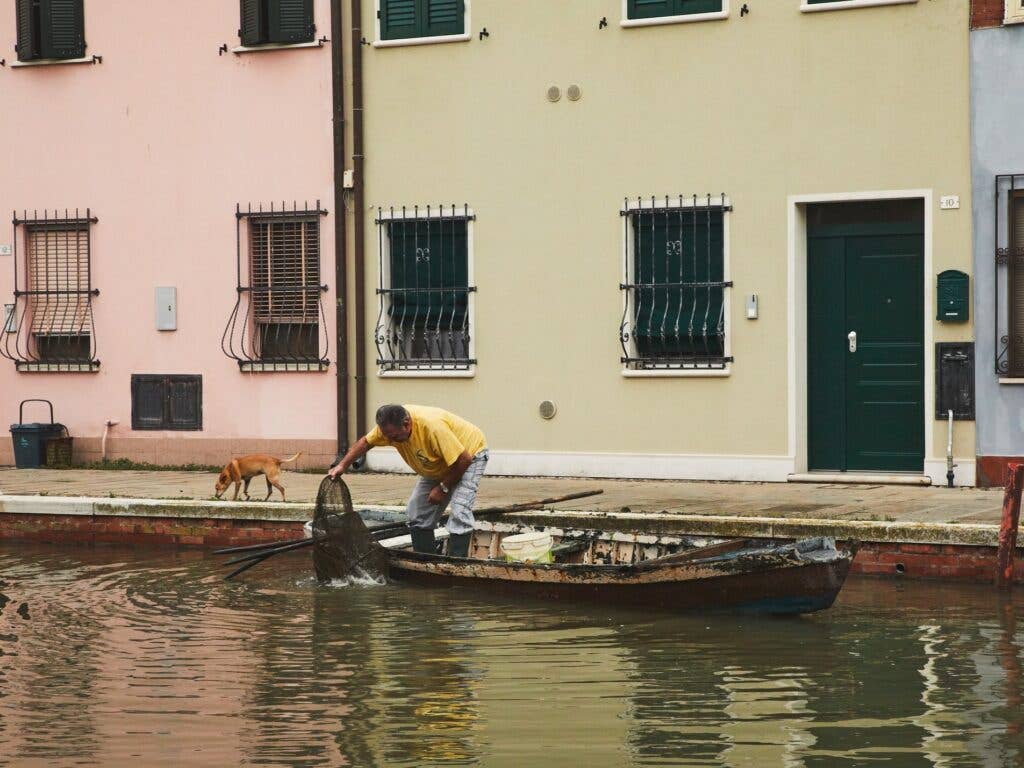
(852, 338)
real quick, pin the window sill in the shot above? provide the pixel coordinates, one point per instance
(427, 374)
(1012, 20)
(1010, 380)
(841, 5)
(679, 373)
(659, 20)
(464, 37)
(50, 62)
(277, 46)
(256, 366)
(58, 367)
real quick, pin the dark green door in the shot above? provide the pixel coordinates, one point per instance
(865, 332)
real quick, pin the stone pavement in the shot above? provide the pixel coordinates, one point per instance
(806, 501)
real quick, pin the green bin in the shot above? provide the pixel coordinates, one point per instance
(30, 439)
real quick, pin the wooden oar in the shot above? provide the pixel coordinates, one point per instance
(274, 550)
(534, 504)
(246, 566)
(251, 547)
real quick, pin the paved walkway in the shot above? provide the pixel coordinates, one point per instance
(806, 501)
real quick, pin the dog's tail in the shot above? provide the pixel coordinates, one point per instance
(293, 458)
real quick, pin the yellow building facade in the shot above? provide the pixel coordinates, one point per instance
(515, 159)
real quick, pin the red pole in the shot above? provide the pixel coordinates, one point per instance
(1008, 528)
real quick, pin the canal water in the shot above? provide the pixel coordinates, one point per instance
(122, 657)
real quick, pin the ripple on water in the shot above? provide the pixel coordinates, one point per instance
(150, 658)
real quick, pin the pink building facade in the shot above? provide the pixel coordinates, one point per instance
(146, 293)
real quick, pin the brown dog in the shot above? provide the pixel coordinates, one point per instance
(245, 468)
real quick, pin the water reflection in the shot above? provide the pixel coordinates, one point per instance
(148, 658)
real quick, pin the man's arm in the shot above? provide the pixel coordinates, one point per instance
(457, 470)
(359, 448)
(451, 479)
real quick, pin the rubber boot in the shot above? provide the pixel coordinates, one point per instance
(458, 544)
(423, 540)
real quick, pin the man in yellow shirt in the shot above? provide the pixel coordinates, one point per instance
(447, 452)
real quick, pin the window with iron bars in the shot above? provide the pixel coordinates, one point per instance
(675, 301)
(278, 322)
(51, 324)
(1009, 268)
(425, 313)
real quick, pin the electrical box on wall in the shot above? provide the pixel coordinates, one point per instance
(752, 306)
(953, 296)
(167, 308)
(954, 380)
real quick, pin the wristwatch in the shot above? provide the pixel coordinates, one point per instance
(444, 488)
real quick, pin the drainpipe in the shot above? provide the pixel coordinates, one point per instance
(358, 205)
(340, 237)
(949, 453)
(103, 443)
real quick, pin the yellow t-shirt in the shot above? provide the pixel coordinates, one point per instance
(438, 438)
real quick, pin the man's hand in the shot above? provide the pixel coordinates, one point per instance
(353, 453)
(437, 495)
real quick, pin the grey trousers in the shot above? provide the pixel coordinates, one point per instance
(422, 514)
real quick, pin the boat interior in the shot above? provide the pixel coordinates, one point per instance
(587, 547)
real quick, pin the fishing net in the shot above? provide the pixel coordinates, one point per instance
(344, 547)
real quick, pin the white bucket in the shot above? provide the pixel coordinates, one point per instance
(533, 547)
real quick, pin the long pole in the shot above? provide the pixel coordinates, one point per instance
(1008, 528)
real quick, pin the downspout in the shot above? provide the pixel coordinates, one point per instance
(358, 205)
(340, 237)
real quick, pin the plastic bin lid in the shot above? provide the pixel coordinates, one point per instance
(38, 426)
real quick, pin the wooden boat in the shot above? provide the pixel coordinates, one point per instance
(653, 571)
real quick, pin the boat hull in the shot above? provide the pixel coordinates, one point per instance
(779, 589)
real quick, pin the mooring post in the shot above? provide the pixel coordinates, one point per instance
(1008, 528)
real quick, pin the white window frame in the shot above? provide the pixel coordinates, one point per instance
(276, 47)
(380, 42)
(1013, 12)
(842, 5)
(384, 245)
(90, 59)
(627, 244)
(680, 19)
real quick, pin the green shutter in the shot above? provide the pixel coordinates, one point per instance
(684, 7)
(251, 30)
(647, 9)
(429, 254)
(652, 9)
(402, 19)
(399, 19)
(290, 21)
(444, 17)
(28, 39)
(62, 29)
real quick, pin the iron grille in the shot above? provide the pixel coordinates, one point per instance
(424, 316)
(278, 321)
(674, 299)
(51, 325)
(1009, 267)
